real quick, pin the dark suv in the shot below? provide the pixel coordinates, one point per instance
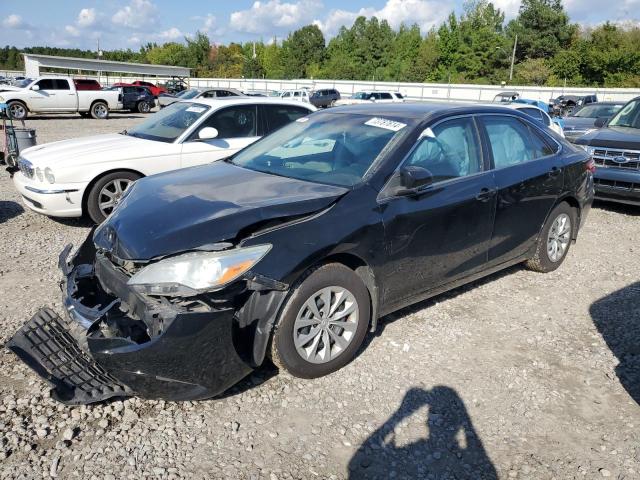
(136, 98)
(616, 151)
(324, 98)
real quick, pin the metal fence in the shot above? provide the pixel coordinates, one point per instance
(413, 91)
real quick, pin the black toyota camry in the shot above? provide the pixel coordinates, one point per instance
(292, 249)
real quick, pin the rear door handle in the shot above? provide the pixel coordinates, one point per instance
(554, 172)
(485, 194)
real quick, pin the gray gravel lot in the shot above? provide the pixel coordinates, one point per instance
(521, 375)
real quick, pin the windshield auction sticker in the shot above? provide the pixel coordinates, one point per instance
(385, 123)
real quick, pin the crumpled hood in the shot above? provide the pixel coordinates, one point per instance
(623, 138)
(94, 149)
(190, 208)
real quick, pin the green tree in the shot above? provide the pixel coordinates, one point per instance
(302, 48)
(172, 53)
(532, 71)
(272, 61)
(543, 28)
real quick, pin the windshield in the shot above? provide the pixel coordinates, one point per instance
(335, 149)
(24, 83)
(629, 116)
(170, 122)
(361, 96)
(597, 111)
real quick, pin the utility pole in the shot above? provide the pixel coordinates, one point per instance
(513, 57)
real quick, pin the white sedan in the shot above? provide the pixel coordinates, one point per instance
(89, 175)
(372, 96)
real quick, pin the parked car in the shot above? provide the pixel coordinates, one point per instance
(57, 94)
(324, 98)
(367, 96)
(301, 95)
(506, 97)
(193, 93)
(565, 104)
(175, 86)
(615, 147)
(539, 115)
(583, 120)
(293, 248)
(136, 99)
(89, 175)
(86, 84)
(154, 89)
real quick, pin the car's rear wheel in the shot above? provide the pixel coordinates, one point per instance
(144, 107)
(323, 323)
(106, 193)
(100, 111)
(554, 240)
(17, 110)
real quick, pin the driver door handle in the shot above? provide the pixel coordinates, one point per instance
(486, 194)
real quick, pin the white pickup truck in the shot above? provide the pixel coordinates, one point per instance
(57, 94)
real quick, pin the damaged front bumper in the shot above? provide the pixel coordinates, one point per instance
(114, 342)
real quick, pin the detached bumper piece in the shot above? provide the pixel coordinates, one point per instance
(45, 344)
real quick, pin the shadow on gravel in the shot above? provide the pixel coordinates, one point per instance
(621, 208)
(450, 449)
(617, 317)
(9, 209)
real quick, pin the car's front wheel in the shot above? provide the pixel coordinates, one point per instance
(17, 110)
(106, 193)
(554, 240)
(323, 323)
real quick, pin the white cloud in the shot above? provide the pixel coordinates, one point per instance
(71, 30)
(426, 13)
(275, 16)
(138, 14)
(86, 17)
(510, 8)
(13, 21)
(172, 34)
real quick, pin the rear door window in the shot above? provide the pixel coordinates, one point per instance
(277, 116)
(513, 142)
(386, 96)
(61, 84)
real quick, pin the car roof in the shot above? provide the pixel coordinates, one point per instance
(520, 106)
(225, 102)
(418, 110)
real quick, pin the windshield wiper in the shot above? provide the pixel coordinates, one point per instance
(124, 132)
(624, 125)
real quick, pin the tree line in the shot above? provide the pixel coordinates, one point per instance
(472, 47)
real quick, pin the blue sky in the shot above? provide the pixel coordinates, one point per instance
(130, 23)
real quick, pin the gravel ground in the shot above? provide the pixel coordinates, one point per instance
(520, 375)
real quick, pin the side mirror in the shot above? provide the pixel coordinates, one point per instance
(35, 88)
(600, 122)
(413, 179)
(207, 133)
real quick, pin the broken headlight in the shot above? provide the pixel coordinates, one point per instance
(190, 273)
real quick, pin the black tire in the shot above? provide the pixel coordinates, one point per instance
(541, 261)
(143, 107)
(100, 111)
(283, 350)
(93, 198)
(17, 110)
